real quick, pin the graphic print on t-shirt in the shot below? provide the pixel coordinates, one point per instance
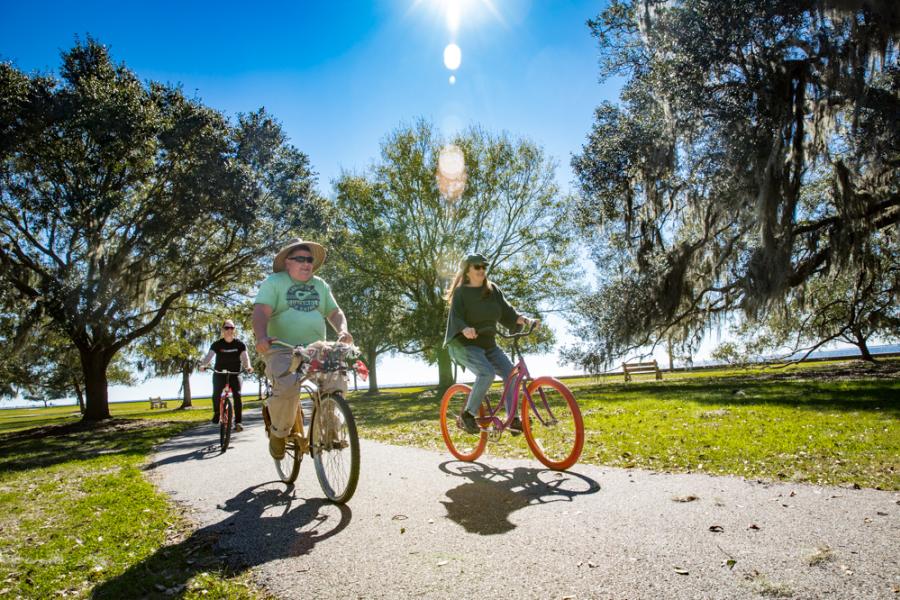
(303, 297)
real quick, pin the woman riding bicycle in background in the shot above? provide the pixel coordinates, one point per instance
(231, 355)
(476, 306)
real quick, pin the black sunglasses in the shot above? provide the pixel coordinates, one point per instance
(301, 259)
(228, 327)
(479, 267)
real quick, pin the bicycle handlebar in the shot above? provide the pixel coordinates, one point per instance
(241, 372)
(509, 336)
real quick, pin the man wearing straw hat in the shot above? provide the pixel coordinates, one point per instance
(292, 306)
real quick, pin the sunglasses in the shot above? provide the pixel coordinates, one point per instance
(301, 259)
(479, 267)
(228, 327)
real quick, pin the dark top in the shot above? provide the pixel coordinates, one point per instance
(469, 309)
(228, 355)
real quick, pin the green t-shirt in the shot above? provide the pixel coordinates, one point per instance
(298, 308)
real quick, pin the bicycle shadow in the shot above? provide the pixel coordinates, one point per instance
(199, 443)
(484, 503)
(266, 523)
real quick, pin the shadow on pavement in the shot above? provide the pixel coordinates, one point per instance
(484, 503)
(199, 443)
(267, 522)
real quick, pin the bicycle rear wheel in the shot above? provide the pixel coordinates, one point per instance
(553, 427)
(225, 418)
(461, 444)
(334, 444)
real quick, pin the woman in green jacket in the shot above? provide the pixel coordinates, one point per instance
(476, 306)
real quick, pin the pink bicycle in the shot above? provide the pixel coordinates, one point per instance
(551, 419)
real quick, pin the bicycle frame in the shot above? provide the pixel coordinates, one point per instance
(518, 377)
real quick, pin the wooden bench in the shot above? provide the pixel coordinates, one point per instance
(630, 369)
(157, 403)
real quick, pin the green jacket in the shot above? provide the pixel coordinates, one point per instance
(469, 309)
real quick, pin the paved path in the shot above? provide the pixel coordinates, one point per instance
(424, 525)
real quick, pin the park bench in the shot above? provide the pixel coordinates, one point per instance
(157, 403)
(630, 369)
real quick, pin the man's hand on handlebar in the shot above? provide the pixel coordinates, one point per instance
(263, 345)
(470, 333)
(345, 337)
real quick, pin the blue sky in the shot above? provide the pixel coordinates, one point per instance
(340, 76)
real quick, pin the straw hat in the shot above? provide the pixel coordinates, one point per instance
(318, 251)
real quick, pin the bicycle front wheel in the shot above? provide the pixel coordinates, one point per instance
(225, 418)
(335, 448)
(288, 466)
(461, 444)
(552, 423)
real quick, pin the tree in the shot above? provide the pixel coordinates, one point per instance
(118, 200)
(174, 347)
(755, 151)
(372, 306)
(40, 364)
(849, 306)
(409, 237)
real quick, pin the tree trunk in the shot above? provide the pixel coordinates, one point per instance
(186, 384)
(371, 358)
(445, 369)
(863, 347)
(671, 358)
(79, 393)
(94, 363)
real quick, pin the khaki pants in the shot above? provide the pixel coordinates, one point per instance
(285, 399)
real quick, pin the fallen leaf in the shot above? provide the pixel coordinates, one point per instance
(716, 528)
(399, 518)
(729, 563)
(881, 514)
(688, 498)
(681, 570)
(443, 562)
(402, 530)
(753, 526)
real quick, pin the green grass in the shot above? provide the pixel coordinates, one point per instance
(79, 518)
(794, 424)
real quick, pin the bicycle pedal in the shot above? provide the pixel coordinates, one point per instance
(494, 434)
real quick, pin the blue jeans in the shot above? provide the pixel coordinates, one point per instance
(484, 364)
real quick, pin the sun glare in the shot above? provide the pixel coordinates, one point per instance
(452, 57)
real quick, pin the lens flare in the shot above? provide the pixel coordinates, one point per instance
(451, 172)
(452, 79)
(452, 57)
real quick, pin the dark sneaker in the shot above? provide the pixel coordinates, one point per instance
(238, 427)
(515, 427)
(215, 419)
(469, 424)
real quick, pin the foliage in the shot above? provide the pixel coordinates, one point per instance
(850, 306)
(373, 309)
(118, 200)
(755, 152)
(409, 238)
